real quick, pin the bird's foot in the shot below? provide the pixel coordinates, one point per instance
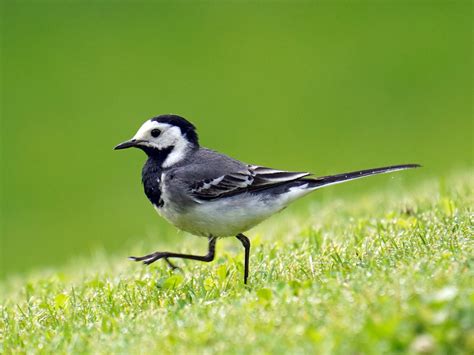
(151, 258)
(148, 259)
(172, 266)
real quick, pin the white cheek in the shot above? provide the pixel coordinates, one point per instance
(181, 148)
(168, 138)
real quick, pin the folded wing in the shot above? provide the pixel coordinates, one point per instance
(250, 179)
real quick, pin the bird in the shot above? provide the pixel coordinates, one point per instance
(211, 195)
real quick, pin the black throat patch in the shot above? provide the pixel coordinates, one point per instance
(151, 175)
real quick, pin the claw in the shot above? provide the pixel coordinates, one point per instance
(142, 258)
(171, 265)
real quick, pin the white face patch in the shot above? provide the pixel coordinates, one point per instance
(170, 136)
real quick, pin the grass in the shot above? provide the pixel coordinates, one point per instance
(387, 273)
(321, 86)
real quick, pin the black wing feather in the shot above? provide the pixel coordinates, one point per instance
(251, 179)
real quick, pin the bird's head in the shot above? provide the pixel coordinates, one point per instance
(169, 135)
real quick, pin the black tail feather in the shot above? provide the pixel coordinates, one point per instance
(336, 179)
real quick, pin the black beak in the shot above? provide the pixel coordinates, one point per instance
(128, 144)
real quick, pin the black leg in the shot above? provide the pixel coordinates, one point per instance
(246, 243)
(171, 265)
(151, 258)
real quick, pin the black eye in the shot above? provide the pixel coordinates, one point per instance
(155, 133)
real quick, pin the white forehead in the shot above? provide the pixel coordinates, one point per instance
(145, 129)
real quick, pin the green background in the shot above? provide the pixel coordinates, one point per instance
(326, 87)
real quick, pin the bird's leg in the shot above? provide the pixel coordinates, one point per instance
(246, 243)
(171, 265)
(151, 258)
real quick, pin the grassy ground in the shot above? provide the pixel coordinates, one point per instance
(386, 273)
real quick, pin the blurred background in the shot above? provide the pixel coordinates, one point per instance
(327, 87)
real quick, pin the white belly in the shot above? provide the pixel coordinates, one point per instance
(227, 216)
(219, 218)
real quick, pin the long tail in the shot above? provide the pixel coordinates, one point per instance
(337, 179)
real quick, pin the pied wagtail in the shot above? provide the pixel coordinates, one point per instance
(211, 195)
